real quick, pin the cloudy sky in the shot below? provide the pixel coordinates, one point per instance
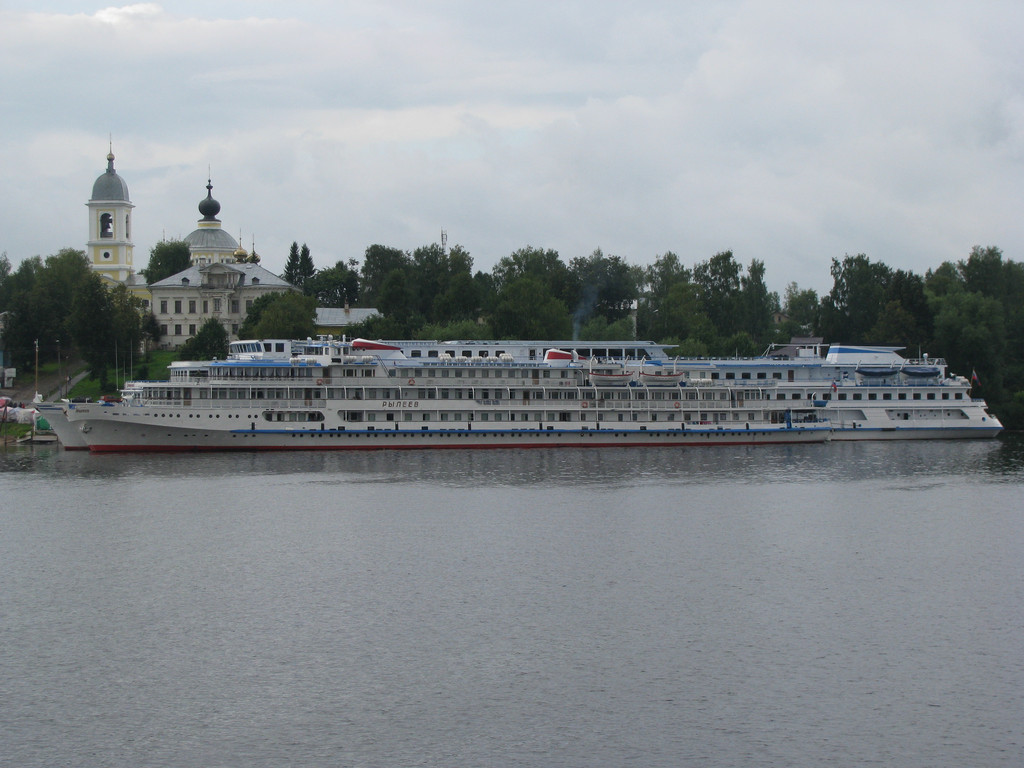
(790, 132)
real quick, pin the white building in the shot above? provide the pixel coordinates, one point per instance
(219, 284)
(183, 302)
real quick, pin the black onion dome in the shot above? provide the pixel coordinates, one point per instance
(209, 207)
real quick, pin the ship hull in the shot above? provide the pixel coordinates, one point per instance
(113, 434)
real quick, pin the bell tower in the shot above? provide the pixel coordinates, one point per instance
(110, 226)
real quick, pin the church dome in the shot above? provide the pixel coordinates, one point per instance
(209, 207)
(110, 186)
(211, 240)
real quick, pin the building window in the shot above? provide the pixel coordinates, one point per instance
(106, 255)
(106, 225)
(234, 306)
(163, 329)
(177, 306)
(177, 330)
(191, 330)
(191, 306)
(206, 307)
(163, 307)
(216, 305)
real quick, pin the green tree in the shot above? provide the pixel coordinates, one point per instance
(982, 272)
(306, 267)
(166, 258)
(291, 266)
(858, 294)
(5, 272)
(396, 300)
(127, 318)
(970, 334)
(526, 309)
(92, 326)
(248, 329)
(336, 286)
(210, 342)
(442, 283)
(458, 302)
(718, 287)
(38, 304)
(379, 261)
(150, 331)
(801, 307)
(606, 287)
(756, 304)
(599, 329)
(657, 305)
(287, 315)
(545, 265)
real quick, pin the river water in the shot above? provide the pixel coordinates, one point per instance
(847, 604)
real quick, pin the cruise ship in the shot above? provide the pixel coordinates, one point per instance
(333, 394)
(329, 394)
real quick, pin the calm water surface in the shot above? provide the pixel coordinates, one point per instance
(848, 605)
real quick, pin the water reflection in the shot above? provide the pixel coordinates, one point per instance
(990, 460)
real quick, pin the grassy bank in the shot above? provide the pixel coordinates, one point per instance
(154, 369)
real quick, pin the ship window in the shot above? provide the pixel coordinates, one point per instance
(917, 395)
(872, 396)
(902, 396)
(931, 395)
(761, 375)
(945, 395)
(730, 375)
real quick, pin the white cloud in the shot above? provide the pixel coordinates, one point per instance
(789, 132)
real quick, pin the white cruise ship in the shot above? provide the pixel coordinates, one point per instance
(329, 394)
(334, 394)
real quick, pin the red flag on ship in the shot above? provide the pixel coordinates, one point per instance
(974, 378)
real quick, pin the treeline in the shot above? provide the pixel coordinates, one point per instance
(59, 305)
(971, 312)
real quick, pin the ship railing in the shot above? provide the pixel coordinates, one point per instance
(218, 404)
